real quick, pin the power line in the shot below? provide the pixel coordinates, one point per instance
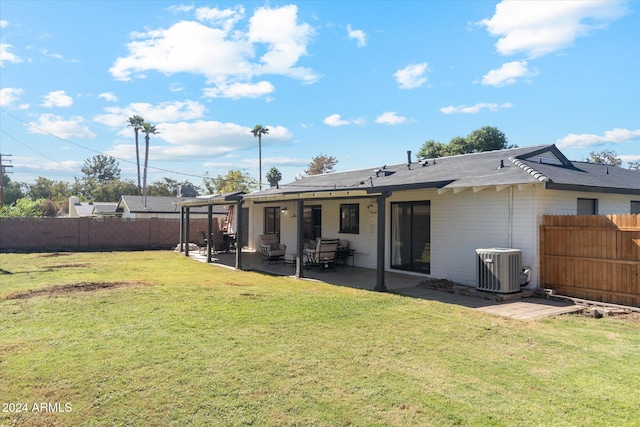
(87, 148)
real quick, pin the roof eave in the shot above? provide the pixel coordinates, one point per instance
(591, 189)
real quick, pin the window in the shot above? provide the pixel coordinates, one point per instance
(635, 207)
(587, 206)
(311, 222)
(272, 220)
(350, 218)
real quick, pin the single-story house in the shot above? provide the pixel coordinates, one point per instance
(428, 217)
(90, 209)
(161, 207)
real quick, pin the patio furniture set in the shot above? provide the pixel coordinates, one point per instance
(323, 254)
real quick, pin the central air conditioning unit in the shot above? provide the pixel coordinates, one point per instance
(498, 270)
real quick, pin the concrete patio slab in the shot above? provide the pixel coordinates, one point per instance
(530, 308)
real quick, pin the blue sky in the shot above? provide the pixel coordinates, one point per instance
(361, 81)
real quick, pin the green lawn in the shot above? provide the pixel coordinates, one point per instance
(154, 338)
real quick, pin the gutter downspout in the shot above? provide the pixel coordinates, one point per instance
(510, 216)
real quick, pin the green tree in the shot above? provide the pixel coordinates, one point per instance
(234, 181)
(22, 208)
(111, 191)
(148, 130)
(432, 149)
(634, 166)
(11, 191)
(44, 188)
(274, 177)
(168, 187)
(321, 164)
(605, 157)
(459, 145)
(258, 131)
(487, 138)
(137, 123)
(101, 168)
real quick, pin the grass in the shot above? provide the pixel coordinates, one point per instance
(153, 338)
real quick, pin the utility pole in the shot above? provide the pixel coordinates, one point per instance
(2, 172)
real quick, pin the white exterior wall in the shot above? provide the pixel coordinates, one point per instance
(460, 223)
(555, 202)
(364, 243)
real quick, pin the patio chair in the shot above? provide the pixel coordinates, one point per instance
(272, 250)
(202, 241)
(322, 255)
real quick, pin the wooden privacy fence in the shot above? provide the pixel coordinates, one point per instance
(594, 257)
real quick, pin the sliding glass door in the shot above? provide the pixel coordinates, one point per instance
(411, 236)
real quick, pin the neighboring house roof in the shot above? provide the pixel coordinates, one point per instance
(161, 205)
(544, 163)
(104, 208)
(94, 208)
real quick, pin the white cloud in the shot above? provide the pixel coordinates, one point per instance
(390, 118)
(202, 139)
(108, 96)
(57, 99)
(9, 95)
(615, 136)
(508, 74)
(222, 18)
(628, 158)
(163, 112)
(57, 126)
(335, 120)
(537, 28)
(286, 41)
(474, 109)
(222, 52)
(358, 35)
(411, 76)
(239, 90)
(4, 23)
(181, 8)
(6, 56)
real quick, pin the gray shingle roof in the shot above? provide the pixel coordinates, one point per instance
(544, 163)
(164, 205)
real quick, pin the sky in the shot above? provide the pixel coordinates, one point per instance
(362, 81)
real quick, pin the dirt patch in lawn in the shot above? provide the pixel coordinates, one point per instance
(54, 254)
(68, 266)
(71, 289)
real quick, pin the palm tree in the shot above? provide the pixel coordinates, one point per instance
(258, 131)
(136, 123)
(274, 177)
(148, 130)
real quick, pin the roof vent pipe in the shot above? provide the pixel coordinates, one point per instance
(501, 164)
(409, 157)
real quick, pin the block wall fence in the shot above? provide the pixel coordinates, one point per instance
(55, 234)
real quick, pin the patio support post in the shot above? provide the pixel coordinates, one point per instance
(299, 238)
(186, 232)
(181, 229)
(209, 231)
(239, 232)
(380, 285)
